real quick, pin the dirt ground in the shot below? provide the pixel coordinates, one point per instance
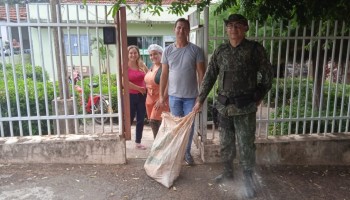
(95, 182)
(129, 181)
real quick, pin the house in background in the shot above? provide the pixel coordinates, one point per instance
(9, 34)
(85, 23)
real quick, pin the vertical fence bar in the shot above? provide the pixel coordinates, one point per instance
(291, 106)
(346, 68)
(314, 92)
(53, 67)
(309, 66)
(44, 75)
(119, 73)
(83, 103)
(25, 75)
(330, 81)
(90, 95)
(205, 40)
(75, 104)
(338, 81)
(32, 63)
(18, 107)
(277, 73)
(99, 64)
(19, 28)
(90, 67)
(344, 81)
(107, 71)
(2, 132)
(102, 71)
(69, 56)
(8, 105)
(277, 79)
(323, 80)
(259, 113)
(285, 79)
(107, 67)
(300, 79)
(36, 85)
(62, 63)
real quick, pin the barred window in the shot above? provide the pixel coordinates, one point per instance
(71, 44)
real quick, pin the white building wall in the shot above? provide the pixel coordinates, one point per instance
(138, 24)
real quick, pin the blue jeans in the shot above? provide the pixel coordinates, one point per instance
(180, 107)
(138, 109)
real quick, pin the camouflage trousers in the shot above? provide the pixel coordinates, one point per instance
(243, 128)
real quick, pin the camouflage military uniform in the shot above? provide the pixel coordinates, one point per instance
(240, 71)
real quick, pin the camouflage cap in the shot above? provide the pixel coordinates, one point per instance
(236, 18)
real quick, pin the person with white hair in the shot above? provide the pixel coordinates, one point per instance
(152, 79)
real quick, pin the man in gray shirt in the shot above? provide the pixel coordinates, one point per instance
(182, 71)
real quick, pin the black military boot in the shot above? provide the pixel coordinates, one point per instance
(249, 184)
(227, 174)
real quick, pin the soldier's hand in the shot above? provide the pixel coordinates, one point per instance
(197, 107)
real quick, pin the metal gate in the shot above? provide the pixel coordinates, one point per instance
(311, 92)
(57, 74)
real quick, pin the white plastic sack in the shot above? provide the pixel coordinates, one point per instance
(168, 150)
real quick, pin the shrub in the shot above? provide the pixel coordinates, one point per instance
(291, 110)
(29, 74)
(26, 110)
(18, 106)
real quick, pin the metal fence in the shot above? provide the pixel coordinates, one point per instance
(311, 92)
(58, 77)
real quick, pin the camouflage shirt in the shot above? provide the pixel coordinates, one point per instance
(239, 70)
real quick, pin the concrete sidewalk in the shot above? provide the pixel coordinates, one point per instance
(147, 140)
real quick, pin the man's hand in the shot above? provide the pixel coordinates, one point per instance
(160, 102)
(197, 107)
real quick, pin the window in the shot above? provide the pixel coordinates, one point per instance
(143, 44)
(72, 46)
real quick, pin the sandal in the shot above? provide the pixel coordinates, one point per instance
(140, 146)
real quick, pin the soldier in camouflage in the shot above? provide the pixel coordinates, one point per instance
(244, 76)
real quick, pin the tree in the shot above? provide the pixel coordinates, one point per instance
(103, 51)
(303, 11)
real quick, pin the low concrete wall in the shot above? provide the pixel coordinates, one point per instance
(77, 149)
(210, 152)
(332, 149)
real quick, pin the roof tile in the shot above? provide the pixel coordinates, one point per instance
(164, 2)
(12, 13)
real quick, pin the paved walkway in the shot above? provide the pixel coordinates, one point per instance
(147, 140)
